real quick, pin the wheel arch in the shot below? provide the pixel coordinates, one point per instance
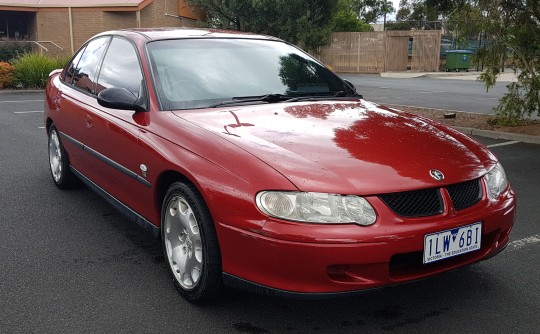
(48, 123)
(164, 181)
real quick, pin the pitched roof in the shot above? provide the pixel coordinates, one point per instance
(72, 3)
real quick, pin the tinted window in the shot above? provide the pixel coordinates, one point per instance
(84, 76)
(195, 73)
(68, 76)
(120, 68)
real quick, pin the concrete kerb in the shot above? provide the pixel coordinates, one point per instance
(410, 75)
(508, 76)
(500, 135)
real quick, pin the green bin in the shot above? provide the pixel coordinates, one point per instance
(458, 60)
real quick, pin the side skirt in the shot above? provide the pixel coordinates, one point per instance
(124, 209)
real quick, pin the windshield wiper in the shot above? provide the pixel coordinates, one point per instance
(268, 98)
(339, 95)
(275, 98)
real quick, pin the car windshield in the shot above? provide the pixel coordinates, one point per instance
(199, 73)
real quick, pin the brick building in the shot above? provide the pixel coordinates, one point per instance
(61, 26)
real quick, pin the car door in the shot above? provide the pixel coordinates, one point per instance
(74, 98)
(112, 139)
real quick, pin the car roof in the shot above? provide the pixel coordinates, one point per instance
(153, 34)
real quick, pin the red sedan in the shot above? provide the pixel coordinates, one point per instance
(261, 169)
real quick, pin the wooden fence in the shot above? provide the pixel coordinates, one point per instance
(382, 51)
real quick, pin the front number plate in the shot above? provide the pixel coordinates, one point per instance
(449, 243)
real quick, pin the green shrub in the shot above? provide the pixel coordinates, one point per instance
(6, 74)
(12, 50)
(32, 70)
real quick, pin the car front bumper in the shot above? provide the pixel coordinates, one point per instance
(314, 261)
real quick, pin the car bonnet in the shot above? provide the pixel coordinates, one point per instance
(347, 147)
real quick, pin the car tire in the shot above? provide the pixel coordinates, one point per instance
(190, 244)
(58, 162)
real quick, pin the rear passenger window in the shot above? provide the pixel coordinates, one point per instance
(120, 68)
(84, 75)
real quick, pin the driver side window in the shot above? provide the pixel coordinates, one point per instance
(121, 68)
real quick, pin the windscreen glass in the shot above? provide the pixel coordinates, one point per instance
(197, 73)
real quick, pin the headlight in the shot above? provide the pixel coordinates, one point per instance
(316, 207)
(496, 181)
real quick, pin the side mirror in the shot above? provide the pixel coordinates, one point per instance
(120, 98)
(348, 83)
(351, 86)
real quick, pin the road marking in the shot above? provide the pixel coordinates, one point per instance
(504, 144)
(28, 112)
(21, 101)
(433, 92)
(41, 127)
(384, 87)
(487, 98)
(514, 245)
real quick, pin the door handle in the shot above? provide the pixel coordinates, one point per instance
(57, 103)
(88, 121)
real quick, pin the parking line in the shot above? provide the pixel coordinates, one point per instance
(504, 144)
(436, 91)
(28, 112)
(517, 244)
(21, 101)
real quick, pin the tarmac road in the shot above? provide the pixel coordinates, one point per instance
(452, 93)
(71, 264)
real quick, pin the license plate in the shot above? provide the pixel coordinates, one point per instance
(449, 243)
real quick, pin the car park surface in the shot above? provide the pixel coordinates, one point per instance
(92, 270)
(429, 92)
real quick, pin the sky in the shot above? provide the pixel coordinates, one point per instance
(392, 16)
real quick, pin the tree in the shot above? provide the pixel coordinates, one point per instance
(404, 11)
(513, 27)
(303, 22)
(416, 10)
(447, 7)
(346, 19)
(464, 22)
(371, 10)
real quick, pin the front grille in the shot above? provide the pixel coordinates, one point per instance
(416, 203)
(465, 194)
(429, 202)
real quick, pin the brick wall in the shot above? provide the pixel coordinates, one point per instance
(119, 20)
(85, 25)
(54, 25)
(154, 15)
